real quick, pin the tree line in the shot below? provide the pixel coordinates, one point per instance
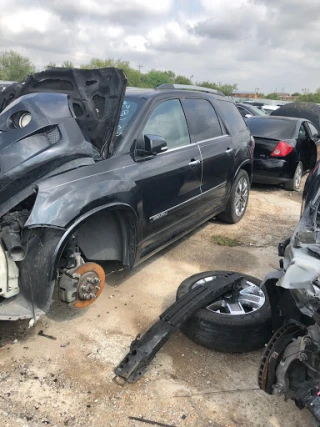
(15, 67)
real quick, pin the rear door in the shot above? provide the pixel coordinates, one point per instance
(170, 181)
(216, 149)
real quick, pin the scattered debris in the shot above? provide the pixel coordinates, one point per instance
(238, 390)
(143, 350)
(154, 423)
(42, 334)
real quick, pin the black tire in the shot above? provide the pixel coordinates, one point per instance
(35, 269)
(229, 214)
(294, 183)
(228, 333)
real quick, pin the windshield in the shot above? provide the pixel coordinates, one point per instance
(130, 108)
(271, 128)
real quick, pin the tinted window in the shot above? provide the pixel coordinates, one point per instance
(243, 111)
(256, 111)
(204, 122)
(302, 134)
(168, 121)
(231, 117)
(271, 128)
(314, 132)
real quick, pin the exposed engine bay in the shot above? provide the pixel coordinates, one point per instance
(290, 364)
(53, 122)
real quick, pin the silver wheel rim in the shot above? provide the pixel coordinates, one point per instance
(241, 196)
(245, 300)
(298, 176)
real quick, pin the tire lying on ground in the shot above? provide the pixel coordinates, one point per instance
(214, 327)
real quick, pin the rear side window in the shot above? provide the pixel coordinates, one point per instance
(203, 119)
(231, 116)
(271, 128)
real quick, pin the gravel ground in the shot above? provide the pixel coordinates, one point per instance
(68, 380)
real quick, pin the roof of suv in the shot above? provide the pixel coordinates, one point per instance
(149, 92)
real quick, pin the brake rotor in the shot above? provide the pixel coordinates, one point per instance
(273, 353)
(90, 284)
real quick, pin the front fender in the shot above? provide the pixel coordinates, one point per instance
(62, 205)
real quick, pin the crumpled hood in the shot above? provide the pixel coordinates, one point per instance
(96, 97)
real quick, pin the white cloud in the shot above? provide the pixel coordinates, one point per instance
(255, 43)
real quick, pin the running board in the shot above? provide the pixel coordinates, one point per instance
(143, 349)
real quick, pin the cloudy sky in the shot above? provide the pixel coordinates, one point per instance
(265, 44)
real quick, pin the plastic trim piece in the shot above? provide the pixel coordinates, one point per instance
(143, 350)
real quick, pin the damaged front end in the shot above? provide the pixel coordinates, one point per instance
(54, 122)
(290, 364)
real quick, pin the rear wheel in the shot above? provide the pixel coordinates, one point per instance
(238, 200)
(294, 183)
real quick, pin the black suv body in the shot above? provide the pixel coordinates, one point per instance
(173, 160)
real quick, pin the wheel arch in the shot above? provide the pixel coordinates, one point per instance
(119, 226)
(246, 166)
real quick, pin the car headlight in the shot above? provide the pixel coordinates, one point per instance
(24, 120)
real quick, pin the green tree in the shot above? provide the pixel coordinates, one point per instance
(182, 80)
(272, 95)
(225, 88)
(155, 78)
(171, 76)
(67, 64)
(133, 76)
(14, 67)
(295, 94)
(309, 97)
(99, 63)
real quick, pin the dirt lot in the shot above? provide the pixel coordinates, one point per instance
(68, 380)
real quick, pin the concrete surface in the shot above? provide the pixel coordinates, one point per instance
(68, 380)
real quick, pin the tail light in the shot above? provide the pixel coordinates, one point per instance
(282, 149)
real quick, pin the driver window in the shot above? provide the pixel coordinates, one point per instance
(168, 121)
(302, 134)
(314, 132)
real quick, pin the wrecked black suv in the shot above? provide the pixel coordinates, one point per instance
(92, 172)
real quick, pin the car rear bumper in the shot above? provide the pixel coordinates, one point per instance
(273, 171)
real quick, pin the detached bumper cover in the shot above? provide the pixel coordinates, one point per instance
(143, 350)
(18, 307)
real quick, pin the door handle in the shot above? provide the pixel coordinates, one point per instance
(228, 150)
(194, 163)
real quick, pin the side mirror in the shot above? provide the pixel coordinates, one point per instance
(247, 116)
(152, 145)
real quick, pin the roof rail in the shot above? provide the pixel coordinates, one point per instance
(190, 87)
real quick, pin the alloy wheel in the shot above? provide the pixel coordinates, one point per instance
(241, 196)
(246, 299)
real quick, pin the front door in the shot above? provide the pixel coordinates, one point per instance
(169, 181)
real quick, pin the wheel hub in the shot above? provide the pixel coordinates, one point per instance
(273, 353)
(90, 284)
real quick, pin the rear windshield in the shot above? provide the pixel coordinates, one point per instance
(269, 128)
(256, 110)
